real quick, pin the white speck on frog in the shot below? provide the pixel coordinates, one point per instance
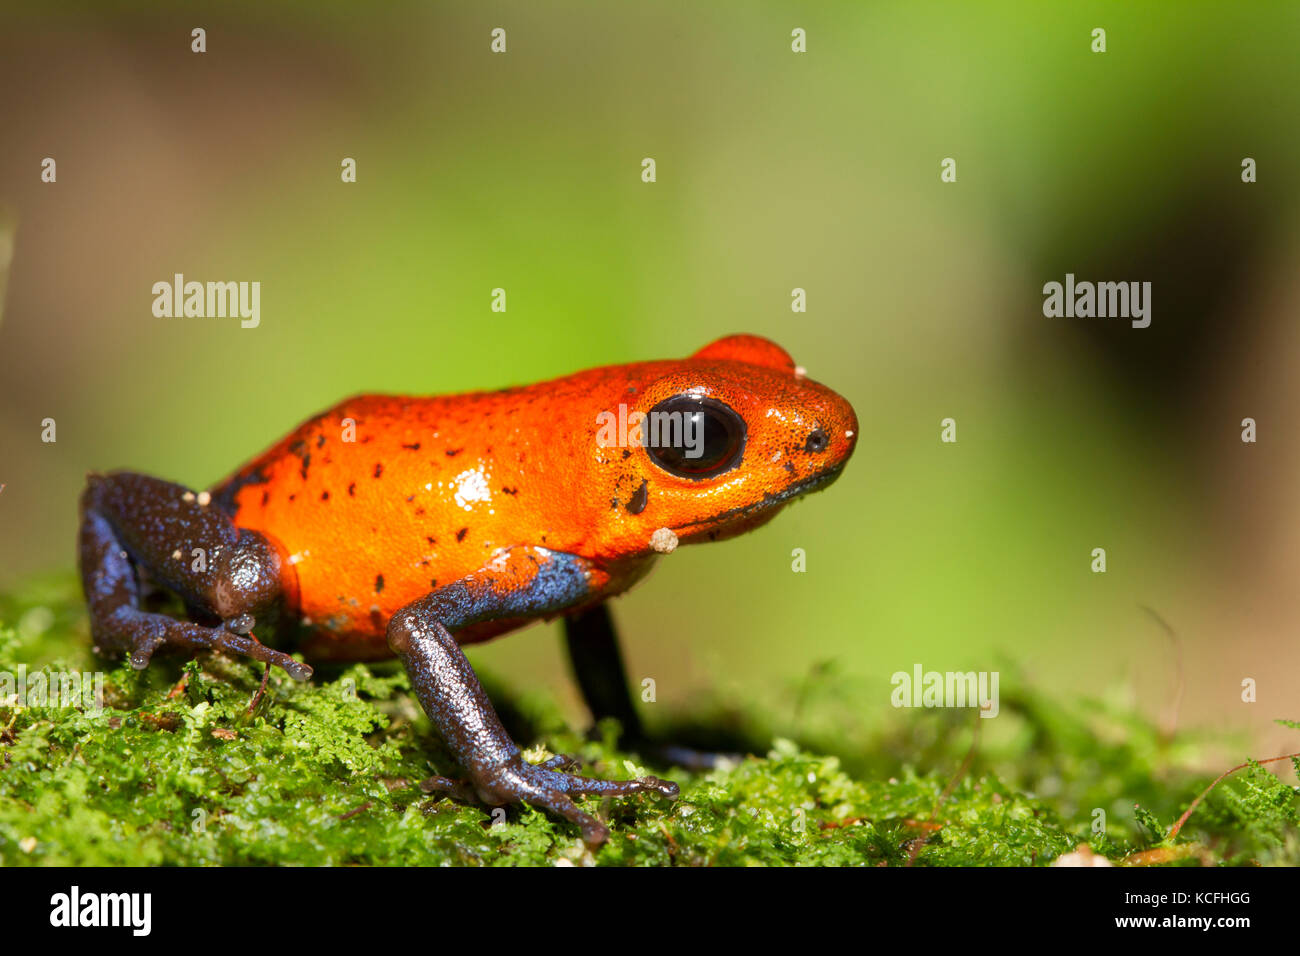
(471, 486)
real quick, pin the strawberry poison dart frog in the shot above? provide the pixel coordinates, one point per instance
(410, 526)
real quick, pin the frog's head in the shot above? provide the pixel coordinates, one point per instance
(727, 438)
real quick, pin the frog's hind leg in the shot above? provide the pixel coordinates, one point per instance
(227, 575)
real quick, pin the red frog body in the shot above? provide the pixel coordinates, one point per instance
(405, 525)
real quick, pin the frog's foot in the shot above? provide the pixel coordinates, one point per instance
(118, 623)
(230, 638)
(548, 786)
(557, 762)
(518, 781)
(139, 634)
(463, 790)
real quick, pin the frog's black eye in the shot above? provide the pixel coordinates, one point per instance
(694, 437)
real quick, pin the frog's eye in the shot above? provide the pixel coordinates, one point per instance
(694, 437)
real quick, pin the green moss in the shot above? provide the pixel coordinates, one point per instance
(176, 769)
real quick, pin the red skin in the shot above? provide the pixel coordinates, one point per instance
(373, 524)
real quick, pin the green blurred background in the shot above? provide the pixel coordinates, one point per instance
(775, 171)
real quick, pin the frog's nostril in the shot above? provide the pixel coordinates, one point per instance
(817, 442)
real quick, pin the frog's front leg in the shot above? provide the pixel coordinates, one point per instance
(130, 520)
(521, 583)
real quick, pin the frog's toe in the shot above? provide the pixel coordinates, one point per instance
(242, 643)
(548, 789)
(461, 790)
(141, 650)
(240, 624)
(620, 788)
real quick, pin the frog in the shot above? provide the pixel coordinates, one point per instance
(408, 526)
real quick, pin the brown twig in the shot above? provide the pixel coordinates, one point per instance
(257, 697)
(1173, 832)
(1161, 855)
(352, 813)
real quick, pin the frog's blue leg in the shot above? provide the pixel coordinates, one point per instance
(598, 668)
(522, 583)
(134, 526)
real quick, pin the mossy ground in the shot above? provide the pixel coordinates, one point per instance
(176, 770)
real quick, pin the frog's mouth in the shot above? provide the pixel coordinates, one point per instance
(746, 517)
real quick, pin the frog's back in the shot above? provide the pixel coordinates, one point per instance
(383, 498)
